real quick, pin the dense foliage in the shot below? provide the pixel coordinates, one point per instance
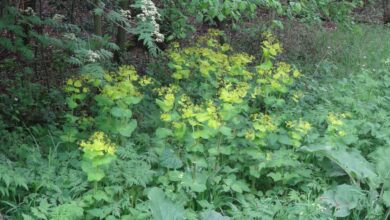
(222, 117)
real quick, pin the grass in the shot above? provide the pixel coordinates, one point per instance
(351, 74)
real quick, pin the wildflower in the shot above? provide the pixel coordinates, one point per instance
(250, 135)
(58, 18)
(149, 13)
(166, 117)
(334, 120)
(98, 143)
(92, 56)
(264, 124)
(342, 133)
(235, 95)
(297, 95)
(296, 74)
(126, 13)
(144, 81)
(69, 82)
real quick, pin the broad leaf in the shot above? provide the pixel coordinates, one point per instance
(162, 208)
(127, 130)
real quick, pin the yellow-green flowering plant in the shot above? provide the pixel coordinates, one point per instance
(98, 152)
(218, 114)
(105, 103)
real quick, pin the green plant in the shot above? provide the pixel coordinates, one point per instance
(213, 11)
(175, 20)
(103, 103)
(222, 132)
(213, 134)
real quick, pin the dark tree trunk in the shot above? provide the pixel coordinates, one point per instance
(386, 11)
(97, 20)
(121, 35)
(25, 6)
(72, 8)
(3, 5)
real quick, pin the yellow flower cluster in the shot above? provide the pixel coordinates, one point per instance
(77, 85)
(297, 95)
(120, 90)
(119, 84)
(240, 59)
(98, 143)
(123, 86)
(277, 79)
(271, 46)
(299, 128)
(335, 121)
(210, 60)
(263, 123)
(229, 82)
(145, 81)
(168, 100)
(303, 127)
(234, 95)
(128, 73)
(171, 89)
(199, 114)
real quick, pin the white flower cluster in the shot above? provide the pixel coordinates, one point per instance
(92, 56)
(70, 36)
(126, 13)
(149, 12)
(58, 18)
(28, 11)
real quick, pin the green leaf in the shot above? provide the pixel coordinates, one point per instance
(382, 164)
(71, 103)
(236, 188)
(166, 107)
(100, 195)
(121, 112)
(386, 198)
(212, 215)
(342, 199)
(132, 100)
(226, 131)
(69, 135)
(93, 173)
(162, 208)
(285, 139)
(103, 100)
(163, 132)
(196, 183)
(77, 84)
(127, 130)
(97, 212)
(98, 11)
(67, 211)
(27, 217)
(240, 186)
(267, 65)
(102, 160)
(350, 160)
(170, 160)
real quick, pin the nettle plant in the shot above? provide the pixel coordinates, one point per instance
(222, 126)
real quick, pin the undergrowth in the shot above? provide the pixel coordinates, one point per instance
(219, 135)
